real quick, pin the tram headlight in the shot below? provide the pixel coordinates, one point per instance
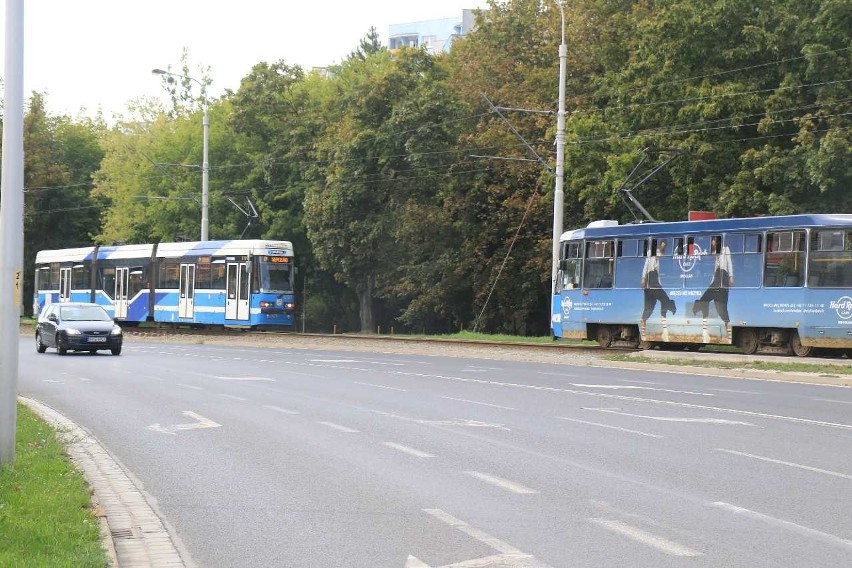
(115, 330)
(264, 304)
(289, 306)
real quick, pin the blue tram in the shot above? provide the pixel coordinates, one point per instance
(236, 283)
(766, 282)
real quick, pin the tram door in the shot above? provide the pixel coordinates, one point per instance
(237, 303)
(64, 284)
(122, 281)
(186, 304)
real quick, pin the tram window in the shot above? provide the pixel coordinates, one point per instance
(629, 248)
(217, 275)
(202, 276)
(678, 246)
(598, 267)
(734, 243)
(44, 278)
(54, 276)
(784, 264)
(80, 277)
(752, 243)
(169, 274)
(830, 260)
(107, 280)
(275, 277)
(571, 265)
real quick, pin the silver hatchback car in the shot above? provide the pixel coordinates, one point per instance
(77, 326)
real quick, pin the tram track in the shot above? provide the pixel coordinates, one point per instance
(344, 338)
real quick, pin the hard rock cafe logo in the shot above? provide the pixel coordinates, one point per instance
(843, 307)
(567, 304)
(688, 261)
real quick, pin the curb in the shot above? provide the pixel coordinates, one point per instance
(133, 533)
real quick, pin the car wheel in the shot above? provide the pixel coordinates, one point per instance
(40, 346)
(61, 348)
(115, 350)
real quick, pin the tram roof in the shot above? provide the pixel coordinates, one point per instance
(603, 230)
(169, 250)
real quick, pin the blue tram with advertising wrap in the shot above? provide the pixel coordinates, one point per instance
(236, 283)
(774, 283)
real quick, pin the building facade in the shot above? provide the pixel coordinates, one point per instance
(436, 36)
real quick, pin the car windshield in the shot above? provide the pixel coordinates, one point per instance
(83, 313)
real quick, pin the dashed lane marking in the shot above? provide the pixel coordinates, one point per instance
(781, 462)
(501, 483)
(635, 533)
(479, 403)
(407, 450)
(610, 427)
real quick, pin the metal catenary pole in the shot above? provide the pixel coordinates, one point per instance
(558, 193)
(11, 226)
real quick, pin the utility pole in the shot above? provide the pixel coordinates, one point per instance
(11, 226)
(558, 193)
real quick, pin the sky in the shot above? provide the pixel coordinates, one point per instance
(97, 55)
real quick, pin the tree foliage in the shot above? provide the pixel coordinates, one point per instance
(413, 203)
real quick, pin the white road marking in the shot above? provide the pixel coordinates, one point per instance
(339, 427)
(407, 450)
(333, 361)
(460, 422)
(781, 462)
(266, 379)
(54, 381)
(379, 386)
(186, 386)
(734, 391)
(674, 419)
(501, 483)
(200, 422)
(629, 387)
(634, 533)
(632, 398)
(639, 382)
(85, 380)
(479, 403)
(610, 427)
(833, 400)
(806, 531)
(233, 397)
(479, 535)
(279, 409)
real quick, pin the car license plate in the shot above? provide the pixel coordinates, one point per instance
(97, 340)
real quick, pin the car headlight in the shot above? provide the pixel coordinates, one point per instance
(115, 330)
(72, 331)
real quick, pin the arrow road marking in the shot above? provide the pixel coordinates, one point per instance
(200, 422)
(509, 555)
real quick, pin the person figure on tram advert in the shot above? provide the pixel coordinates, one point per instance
(717, 292)
(653, 290)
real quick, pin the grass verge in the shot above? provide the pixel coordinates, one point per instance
(818, 368)
(46, 516)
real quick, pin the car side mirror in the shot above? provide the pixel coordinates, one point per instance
(53, 318)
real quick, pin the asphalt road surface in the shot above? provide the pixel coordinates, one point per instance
(306, 458)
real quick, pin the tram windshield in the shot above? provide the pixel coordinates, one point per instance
(275, 277)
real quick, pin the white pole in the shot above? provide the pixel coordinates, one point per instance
(11, 226)
(205, 175)
(558, 193)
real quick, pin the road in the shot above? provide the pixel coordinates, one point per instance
(294, 457)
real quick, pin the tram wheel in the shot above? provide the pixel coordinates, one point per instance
(797, 348)
(748, 341)
(604, 336)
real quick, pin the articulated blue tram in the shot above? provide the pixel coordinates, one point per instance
(238, 283)
(780, 282)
